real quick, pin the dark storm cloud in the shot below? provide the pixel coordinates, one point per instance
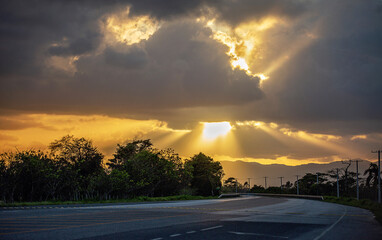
(78, 46)
(134, 57)
(235, 12)
(180, 71)
(179, 66)
(167, 8)
(28, 28)
(334, 84)
(231, 11)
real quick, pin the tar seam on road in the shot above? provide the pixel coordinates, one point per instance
(331, 226)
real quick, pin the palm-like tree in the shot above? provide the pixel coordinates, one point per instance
(372, 173)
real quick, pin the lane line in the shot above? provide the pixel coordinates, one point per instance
(157, 239)
(76, 214)
(331, 226)
(210, 228)
(175, 235)
(347, 215)
(190, 232)
(257, 234)
(95, 224)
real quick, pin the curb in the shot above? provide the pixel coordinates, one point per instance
(310, 197)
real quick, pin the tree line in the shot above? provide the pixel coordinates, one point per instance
(321, 183)
(74, 169)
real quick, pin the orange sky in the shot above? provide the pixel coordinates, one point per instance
(218, 139)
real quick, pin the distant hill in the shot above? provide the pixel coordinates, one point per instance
(256, 171)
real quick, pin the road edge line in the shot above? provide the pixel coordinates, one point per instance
(331, 226)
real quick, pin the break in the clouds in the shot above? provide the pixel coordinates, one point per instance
(313, 66)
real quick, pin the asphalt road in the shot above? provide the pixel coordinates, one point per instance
(239, 218)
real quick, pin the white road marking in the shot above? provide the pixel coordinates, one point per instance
(331, 226)
(257, 234)
(206, 229)
(175, 235)
(157, 239)
(189, 232)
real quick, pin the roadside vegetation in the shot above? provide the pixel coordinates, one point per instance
(373, 206)
(74, 170)
(92, 201)
(325, 186)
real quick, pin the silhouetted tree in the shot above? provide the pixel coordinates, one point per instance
(229, 185)
(79, 153)
(125, 152)
(372, 175)
(207, 175)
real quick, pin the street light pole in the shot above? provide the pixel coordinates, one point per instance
(317, 182)
(298, 192)
(338, 186)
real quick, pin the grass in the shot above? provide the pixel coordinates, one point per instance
(92, 201)
(373, 206)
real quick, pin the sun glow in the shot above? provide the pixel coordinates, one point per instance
(242, 42)
(130, 30)
(213, 130)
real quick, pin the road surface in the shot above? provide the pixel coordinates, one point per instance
(239, 218)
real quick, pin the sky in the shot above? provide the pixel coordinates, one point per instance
(269, 81)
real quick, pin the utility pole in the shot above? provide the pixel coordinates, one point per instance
(356, 164)
(281, 180)
(346, 174)
(338, 185)
(379, 174)
(298, 192)
(265, 178)
(317, 182)
(249, 184)
(236, 184)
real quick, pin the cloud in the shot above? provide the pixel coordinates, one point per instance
(323, 60)
(166, 8)
(133, 58)
(236, 12)
(20, 123)
(179, 66)
(29, 28)
(324, 70)
(7, 138)
(77, 46)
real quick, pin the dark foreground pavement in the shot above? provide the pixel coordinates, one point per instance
(240, 218)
